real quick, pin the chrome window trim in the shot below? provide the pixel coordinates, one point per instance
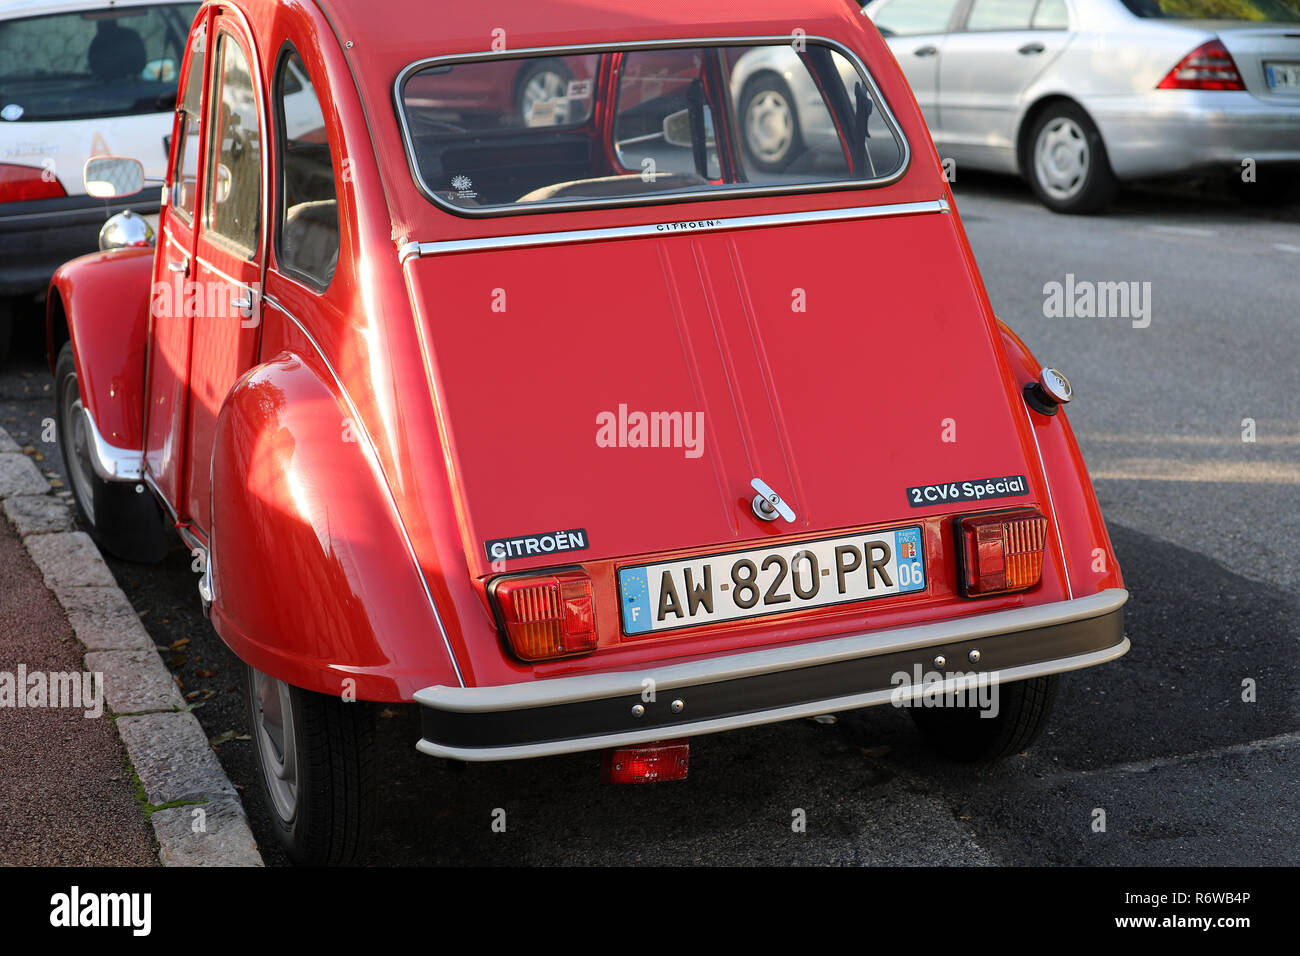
(388, 490)
(661, 198)
(413, 249)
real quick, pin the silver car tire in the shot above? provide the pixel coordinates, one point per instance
(1065, 161)
(541, 81)
(769, 123)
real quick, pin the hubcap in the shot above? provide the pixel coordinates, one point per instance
(547, 85)
(277, 743)
(1061, 158)
(79, 467)
(769, 126)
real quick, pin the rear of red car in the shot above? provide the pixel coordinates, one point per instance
(732, 434)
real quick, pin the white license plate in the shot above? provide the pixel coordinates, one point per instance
(1283, 76)
(771, 580)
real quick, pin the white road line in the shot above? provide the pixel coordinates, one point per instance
(1184, 230)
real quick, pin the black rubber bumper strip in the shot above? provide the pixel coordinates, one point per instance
(576, 720)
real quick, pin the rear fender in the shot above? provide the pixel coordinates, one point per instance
(101, 302)
(1089, 556)
(313, 577)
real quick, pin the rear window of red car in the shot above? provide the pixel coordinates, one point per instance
(614, 126)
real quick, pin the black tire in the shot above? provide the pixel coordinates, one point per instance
(123, 517)
(961, 733)
(533, 71)
(336, 804)
(768, 159)
(1096, 186)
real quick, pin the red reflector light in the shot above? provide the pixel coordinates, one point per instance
(1208, 67)
(547, 616)
(1001, 552)
(19, 183)
(653, 763)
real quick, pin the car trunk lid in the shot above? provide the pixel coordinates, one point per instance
(631, 389)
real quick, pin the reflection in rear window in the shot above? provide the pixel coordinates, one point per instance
(512, 134)
(1274, 11)
(102, 62)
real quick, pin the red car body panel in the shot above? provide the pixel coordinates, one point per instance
(365, 441)
(110, 356)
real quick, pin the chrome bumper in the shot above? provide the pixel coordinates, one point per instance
(595, 711)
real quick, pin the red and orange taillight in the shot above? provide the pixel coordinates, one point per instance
(1209, 67)
(547, 616)
(1001, 552)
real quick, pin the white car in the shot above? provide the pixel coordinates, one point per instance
(1078, 96)
(78, 78)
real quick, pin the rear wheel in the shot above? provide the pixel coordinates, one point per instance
(122, 517)
(544, 83)
(1066, 161)
(318, 777)
(963, 733)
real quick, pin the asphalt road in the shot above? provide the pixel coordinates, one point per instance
(1185, 770)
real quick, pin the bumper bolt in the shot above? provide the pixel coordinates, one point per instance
(677, 706)
(638, 710)
(974, 657)
(940, 662)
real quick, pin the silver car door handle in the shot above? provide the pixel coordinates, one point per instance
(177, 265)
(925, 51)
(1030, 48)
(243, 303)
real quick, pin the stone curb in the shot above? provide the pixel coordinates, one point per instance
(166, 744)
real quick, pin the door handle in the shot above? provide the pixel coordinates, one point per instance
(178, 265)
(925, 51)
(243, 303)
(1031, 48)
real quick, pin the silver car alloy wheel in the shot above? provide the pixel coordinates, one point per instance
(277, 742)
(769, 126)
(1062, 158)
(540, 88)
(80, 469)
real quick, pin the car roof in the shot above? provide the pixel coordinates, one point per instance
(400, 31)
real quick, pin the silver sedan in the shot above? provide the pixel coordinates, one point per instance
(1078, 96)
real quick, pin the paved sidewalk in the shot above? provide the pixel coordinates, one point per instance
(66, 793)
(149, 760)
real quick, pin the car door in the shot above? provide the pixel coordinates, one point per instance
(915, 31)
(228, 253)
(173, 289)
(986, 67)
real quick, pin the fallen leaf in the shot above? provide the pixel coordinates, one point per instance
(876, 751)
(388, 712)
(181, 643)
(219, 739)
(206, 673)
(55, 483)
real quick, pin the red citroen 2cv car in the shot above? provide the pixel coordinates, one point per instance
(660, 398)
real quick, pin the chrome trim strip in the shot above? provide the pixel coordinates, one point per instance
(868, 699)
(624, 201)
(566, 690)
(374, 455)
(684, 227)
(110, 462)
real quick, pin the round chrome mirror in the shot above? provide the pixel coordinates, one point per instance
(126, 230)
